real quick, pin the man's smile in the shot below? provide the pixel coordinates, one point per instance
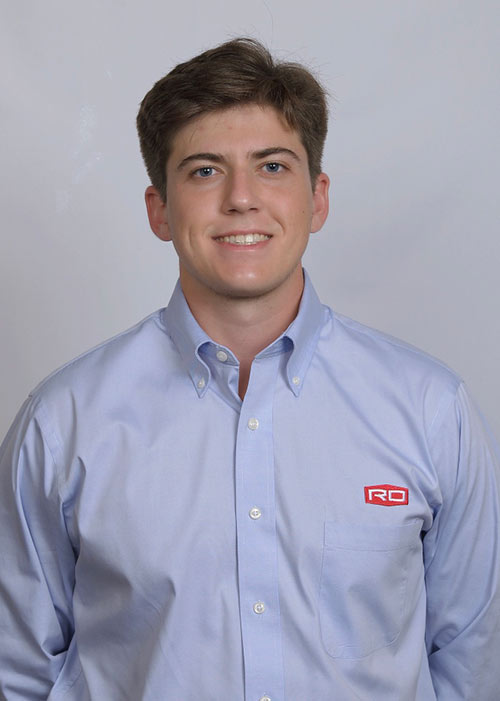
(247, 239)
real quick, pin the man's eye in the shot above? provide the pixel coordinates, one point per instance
(204, 172)
(273, 167)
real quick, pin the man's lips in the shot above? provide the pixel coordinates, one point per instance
(243, 238)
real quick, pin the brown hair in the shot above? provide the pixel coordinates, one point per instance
(238, 72)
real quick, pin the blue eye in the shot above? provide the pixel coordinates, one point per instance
(273, 167)
(204, 172)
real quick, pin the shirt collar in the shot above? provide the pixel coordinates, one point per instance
(300, 338)
(304, 333)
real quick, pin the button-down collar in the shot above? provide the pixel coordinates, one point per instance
(198, 350)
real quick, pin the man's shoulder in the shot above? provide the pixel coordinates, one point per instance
(111, 361)
(383, 358)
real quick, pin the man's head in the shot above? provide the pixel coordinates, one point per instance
(237, 73)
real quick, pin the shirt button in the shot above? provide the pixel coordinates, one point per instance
(259, 607)
(221, 355)
(253, 424)
(296, 380)
(265, 698)
(201, 383)
(255, 513)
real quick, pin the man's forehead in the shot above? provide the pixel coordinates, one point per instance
(251, 128)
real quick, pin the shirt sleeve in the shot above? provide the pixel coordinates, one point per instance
(36, 563)
(462, 558)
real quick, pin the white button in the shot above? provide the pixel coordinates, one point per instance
(259, 607)
(221, 355)
(265, 698)
(201, 383)
(296, 380)
(253, 424)
(255, 513)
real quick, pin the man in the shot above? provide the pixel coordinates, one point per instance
(247, 496)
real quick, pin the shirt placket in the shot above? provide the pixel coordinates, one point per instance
(257, 539)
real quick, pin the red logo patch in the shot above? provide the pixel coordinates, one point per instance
(386, 495)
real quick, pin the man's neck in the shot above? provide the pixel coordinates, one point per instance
(245, 325)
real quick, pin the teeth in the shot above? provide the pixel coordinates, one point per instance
(244, 239)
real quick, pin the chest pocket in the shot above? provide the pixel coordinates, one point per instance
(366, 573)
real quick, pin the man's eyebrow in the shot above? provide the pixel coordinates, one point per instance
(275, 151)
(204, 156)
(257, 155)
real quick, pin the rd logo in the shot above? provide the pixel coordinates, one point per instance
(386, 495)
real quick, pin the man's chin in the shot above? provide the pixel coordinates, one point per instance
(256, 287)
(245, 291)
(233, 287)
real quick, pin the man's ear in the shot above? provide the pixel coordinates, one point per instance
(320, 202)
(157, 213)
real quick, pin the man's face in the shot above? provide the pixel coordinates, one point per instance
(239, 203)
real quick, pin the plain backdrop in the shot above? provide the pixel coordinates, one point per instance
(411, 246)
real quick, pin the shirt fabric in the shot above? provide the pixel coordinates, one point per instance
(162, 539)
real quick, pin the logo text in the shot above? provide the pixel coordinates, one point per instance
(386, 495)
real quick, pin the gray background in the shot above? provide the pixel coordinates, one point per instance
(411, 246)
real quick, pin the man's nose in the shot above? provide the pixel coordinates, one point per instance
(241, 192)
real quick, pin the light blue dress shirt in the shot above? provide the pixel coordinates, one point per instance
(333, 537)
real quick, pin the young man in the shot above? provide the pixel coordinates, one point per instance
(247, 496)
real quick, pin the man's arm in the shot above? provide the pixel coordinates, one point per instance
(462, 558)
(36, 563)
